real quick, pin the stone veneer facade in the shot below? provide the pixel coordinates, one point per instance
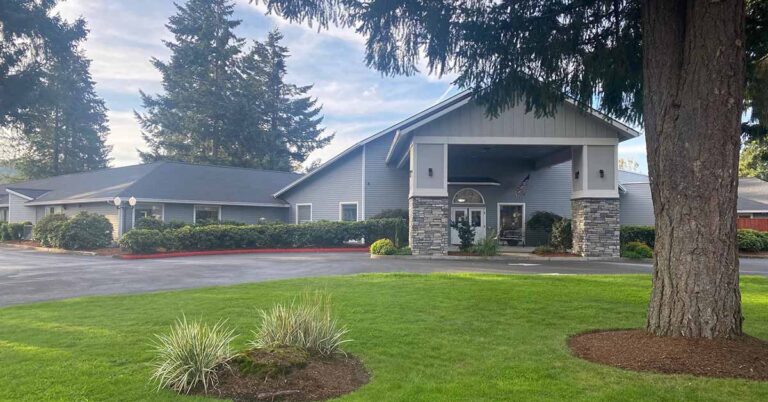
(596, 227)
(428, 225)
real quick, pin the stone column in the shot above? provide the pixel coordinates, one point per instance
(428, 225)
(595, 227)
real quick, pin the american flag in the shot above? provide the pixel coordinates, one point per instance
(520, 190)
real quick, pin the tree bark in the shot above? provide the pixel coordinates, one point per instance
(694, 78)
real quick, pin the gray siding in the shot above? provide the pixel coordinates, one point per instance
(253, 215)
(3, 214)
(636, 205)
(470, 120)
(548, 189)
(429, 156)
(178, 213)
(18, 212)
(340, 182)
(601, 157)
(386, 187)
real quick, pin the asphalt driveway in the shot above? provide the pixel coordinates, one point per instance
(28, 276)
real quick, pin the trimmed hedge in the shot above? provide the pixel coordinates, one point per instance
(84, 231)
(637, 233)
(383, 247)
(226, 237)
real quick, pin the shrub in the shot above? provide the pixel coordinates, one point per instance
(143, 241)
(11, 231)
(466, 234)
(636, 249)
(749, 240)
(392, 213)
(543, 220)
(488, 247)
(49, 230)
(306, 323)
(383, 247)
(190, 354)
(642, 234)
(561, 237)
(764, 240)
(86, 231)
(149, 222)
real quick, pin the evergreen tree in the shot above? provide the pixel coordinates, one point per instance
(678, 66)
(223, 107)
(189, 122)
(290, 119)
(60, 127)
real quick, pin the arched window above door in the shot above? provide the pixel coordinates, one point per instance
(468, 196)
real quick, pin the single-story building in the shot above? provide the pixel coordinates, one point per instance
(637, 205)
(446, 163)
(169, 191)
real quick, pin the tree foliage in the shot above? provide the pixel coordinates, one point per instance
(225, 104)
(54, 123)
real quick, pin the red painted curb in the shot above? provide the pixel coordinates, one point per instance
(243, 251)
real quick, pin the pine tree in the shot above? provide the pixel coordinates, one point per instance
(222, 106)
(57, 124)
(290, 119)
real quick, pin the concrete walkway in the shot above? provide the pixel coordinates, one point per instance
(28, 276)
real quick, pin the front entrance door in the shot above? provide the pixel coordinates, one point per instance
(476, 216)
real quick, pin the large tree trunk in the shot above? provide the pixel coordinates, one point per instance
(694, 77)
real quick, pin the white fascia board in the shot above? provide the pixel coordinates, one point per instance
(160, 200)
(72, 201)
(629, 131)
(468, 140)
(473, 183)
(752, 211)
(26, 197)
(595, 194)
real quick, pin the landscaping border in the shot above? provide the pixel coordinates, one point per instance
(243, 251)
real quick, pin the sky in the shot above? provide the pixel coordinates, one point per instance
(357, 101)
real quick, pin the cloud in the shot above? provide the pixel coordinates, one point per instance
(124, 137)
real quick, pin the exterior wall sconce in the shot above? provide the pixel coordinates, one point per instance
(602, 173)
(430, 172)
(576, 175)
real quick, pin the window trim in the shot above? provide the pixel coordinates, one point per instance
(341, 210)
(194, 211)
(133, 213)
(453, 199)
(304, 204)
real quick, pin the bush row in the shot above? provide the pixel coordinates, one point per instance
(224, 237)
(11, 231)
(747, 239)
(84, 231)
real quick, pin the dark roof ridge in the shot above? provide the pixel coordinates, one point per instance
(231, 167)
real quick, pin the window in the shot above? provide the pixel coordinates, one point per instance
(348, 211)
(468, 196)
(54, 210)
(207, 213)
(303, 213)
(147, 211)
(3, 214)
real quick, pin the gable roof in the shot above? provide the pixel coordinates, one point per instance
(159, 182)
(427, 115)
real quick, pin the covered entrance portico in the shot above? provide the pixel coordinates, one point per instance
(498, 173)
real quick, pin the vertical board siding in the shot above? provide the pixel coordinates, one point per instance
(18, 212)
(340, 182)
(636, 205)
(470, 120)
(386, 186)
(760, 224)
(253, 215)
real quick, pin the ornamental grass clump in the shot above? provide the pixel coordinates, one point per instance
(306, 323)
(190, 355)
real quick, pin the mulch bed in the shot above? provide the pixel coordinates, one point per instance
(638, 350)
(320, 379)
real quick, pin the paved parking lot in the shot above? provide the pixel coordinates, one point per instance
(28, 276)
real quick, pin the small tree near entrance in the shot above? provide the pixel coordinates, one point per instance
(466, 234)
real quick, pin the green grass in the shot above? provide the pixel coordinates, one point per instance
(424, 337)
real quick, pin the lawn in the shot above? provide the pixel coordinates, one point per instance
(424, 337)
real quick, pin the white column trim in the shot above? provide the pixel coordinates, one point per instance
(361, 212)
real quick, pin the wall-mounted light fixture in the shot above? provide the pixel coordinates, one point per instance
(430, 172)
(576, 176)
(602, 173)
